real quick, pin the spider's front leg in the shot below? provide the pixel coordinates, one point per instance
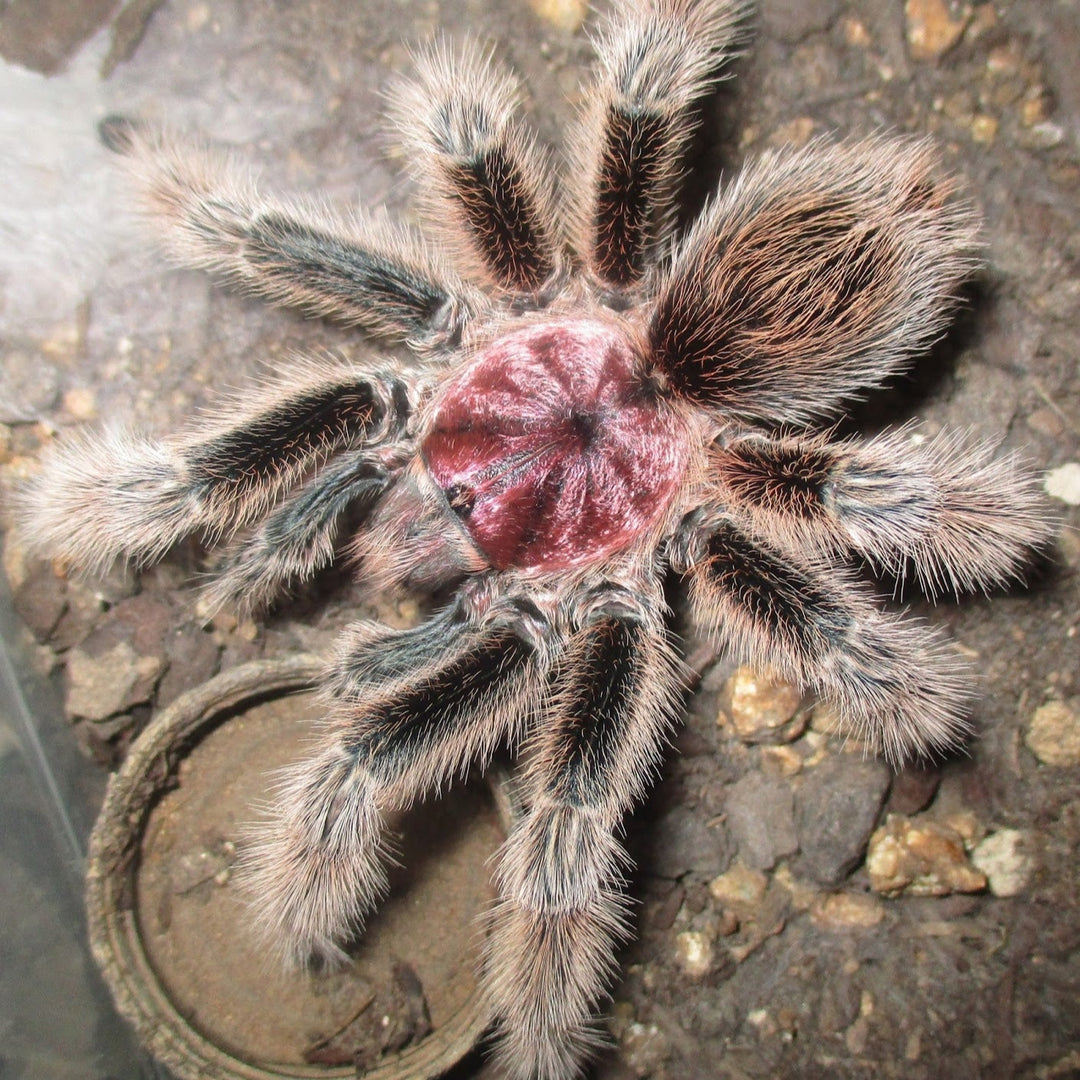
(300, 537)
(895, 682)
(656, 58)
(562, 909)
(407, 711)
(362, 270)
(960, 518)
(113, 495)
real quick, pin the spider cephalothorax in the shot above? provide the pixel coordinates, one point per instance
(593, 402)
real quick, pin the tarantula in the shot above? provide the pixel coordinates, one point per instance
(594, 401)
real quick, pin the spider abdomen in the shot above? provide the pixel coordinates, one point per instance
(551, 448)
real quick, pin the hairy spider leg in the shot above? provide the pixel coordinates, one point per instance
(813, 277)
(942, 508)
(360, 269)
(896, 683)
(407, 710)
(654, 61)
(476, 161)
(301, 536)
(116, 495)
(562, 907)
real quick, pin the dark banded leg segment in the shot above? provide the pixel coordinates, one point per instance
(301, 536)
(358, 269)
(895, 684)
(946, 512)
(111, 495)
(562, 908)
(810, 279)
(655, 59)
(479, 164)
(409, 710)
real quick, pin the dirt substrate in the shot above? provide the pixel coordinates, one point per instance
(769, 943)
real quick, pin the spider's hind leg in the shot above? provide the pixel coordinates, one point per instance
(481, 168)
(944, 508)
(562, 909)
(407, 711)
(895, 681)
(656, 58)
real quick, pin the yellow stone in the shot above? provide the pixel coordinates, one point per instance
(740, 889)
(567, 15)
(846, 911)
(932, 28)
(795, 133)
(762, 707)
(1053, 735)
(984, 128)
(694, 953)
(919, 857)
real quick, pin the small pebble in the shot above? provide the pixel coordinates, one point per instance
(81, 403)
(984, 129)
(760, 1019)
(847, 911)
(919, 858)
(913, 789)
(101, 685)
(836, 808)
(761, 707)
(694, 953)
(857, 1036)
(644, 1048)
(1044, 136)
(855, 34)
(1064, 483)
(932, 30)
(681, 842)
(40, 599)
(62, 343)
(1053, 735)
(912, 1046)
(566, 15)
(1003, 60)
(741, 889)
(794, 133)
(761, 819)
(1034, 109)
(1004, 857)
(781, 761)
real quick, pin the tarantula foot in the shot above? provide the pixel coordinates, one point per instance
(317, 866)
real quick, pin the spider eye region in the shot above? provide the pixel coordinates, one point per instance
(552, 449)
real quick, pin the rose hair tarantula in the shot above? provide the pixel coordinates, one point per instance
(594, 401)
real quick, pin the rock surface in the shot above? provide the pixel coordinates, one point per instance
(836, 808)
